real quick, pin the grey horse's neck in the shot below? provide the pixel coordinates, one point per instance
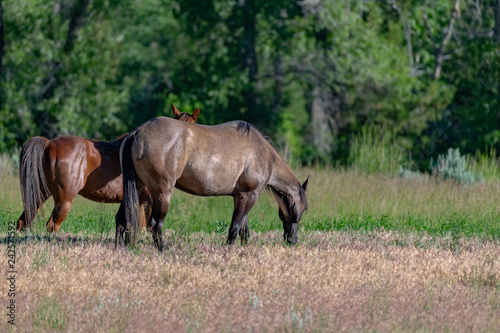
(283, 179)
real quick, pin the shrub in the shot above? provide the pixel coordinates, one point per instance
(452, 166)
(408, 174)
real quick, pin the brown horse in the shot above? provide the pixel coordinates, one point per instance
(230, 159)
(70, 165)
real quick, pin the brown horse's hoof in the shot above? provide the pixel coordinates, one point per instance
(22, 228)
(50, 227)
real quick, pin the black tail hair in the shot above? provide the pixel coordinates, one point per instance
(34, 190)
(130, 199)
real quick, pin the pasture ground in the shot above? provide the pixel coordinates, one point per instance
(374, 254)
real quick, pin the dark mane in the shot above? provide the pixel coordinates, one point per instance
(116, 142)
(244, 127)
(271, 143)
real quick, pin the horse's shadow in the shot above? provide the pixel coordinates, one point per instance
(57, 239)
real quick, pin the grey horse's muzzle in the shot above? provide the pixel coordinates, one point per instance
(291, 237)
(292, 240)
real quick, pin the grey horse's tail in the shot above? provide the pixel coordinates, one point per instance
(130, 201)
(34, 190)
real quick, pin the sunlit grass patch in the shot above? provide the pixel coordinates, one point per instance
(340, 281)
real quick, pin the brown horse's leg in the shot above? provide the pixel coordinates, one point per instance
(59, 214)
(142, 216)
(243, 202)
(120, 220)
(145, 207)
(23, 223)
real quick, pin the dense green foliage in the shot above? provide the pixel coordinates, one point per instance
(311, 74)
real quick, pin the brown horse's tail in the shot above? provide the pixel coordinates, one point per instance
(130, 201)
(34, 190)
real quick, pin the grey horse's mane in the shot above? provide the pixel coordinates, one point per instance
(244, 128)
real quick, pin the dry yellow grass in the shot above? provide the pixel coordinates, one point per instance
(331, 282)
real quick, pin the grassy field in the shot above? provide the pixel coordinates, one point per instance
(341, 201)
(374, 254)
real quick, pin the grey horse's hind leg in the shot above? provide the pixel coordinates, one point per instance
(244, 231)
(161, 203)
(243, 202)
(156, 231)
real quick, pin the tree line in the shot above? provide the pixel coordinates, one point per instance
(310, 74)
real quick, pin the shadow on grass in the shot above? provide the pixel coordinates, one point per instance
(58, 239)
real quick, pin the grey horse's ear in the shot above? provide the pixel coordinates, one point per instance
(176, 112)
(196, 114)
(304, 186)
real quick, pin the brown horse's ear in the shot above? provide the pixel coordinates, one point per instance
(196, 114)
(304, 186)
(176, 112)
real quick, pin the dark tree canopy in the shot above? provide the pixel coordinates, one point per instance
(310, 74)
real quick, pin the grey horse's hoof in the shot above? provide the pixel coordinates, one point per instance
(291, 240)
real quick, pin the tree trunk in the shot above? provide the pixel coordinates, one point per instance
(497, 21)
(75, 24)
(325, 121)
(2, 49)
(248, 14)
(439, 52)
(279, 86)
(497, 40)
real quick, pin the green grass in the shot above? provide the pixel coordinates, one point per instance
(215, 215)
(50, 316)
(485, 165)
(455, 225)
(375, 151)
(343, 201)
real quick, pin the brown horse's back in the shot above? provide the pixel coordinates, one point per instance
(104, 183)
(79, 166)
(66, 164)
(202, 160)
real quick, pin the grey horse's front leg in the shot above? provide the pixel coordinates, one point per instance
(157, 232)
(243, 202)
